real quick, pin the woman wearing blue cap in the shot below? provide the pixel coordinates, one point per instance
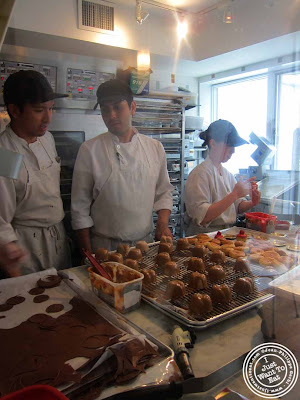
(213, 197)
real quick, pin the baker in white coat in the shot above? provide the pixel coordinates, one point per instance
(213, 197)
(31, 210)
(120, 178)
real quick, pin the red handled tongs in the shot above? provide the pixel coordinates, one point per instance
(98, 266)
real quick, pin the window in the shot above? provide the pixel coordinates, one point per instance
(244, 103)
(288, 122)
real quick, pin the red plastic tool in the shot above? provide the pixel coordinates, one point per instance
(98, 266)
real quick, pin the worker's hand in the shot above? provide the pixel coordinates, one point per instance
(162, 230)
(242, 188)
(11, 255)
(255, 196)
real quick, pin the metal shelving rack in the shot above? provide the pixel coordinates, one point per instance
(163, 118)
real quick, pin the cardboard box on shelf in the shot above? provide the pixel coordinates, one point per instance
(137, 79)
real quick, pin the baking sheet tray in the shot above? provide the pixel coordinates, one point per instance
(178, 309)
(163, 367)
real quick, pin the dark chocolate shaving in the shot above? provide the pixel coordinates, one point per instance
(15, 300)
(54, 308)
(5, 307)
(41, 298)
(35, 291)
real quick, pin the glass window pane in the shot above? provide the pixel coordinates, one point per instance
(288, 122)
(244, 103)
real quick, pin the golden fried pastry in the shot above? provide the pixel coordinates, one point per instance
(216, 273)
(200, 304)
(198, 281)
(217, 256)
(135, 254)
(192, 240)
(245, 249)
(116, 257)
(226, 250)
(162, 259)
(271, 254)
(238, 243)
(227, 246)
(123, 249)
(182, 244)
(101, 254)
(265, 262)
(196, 264)
(203, 236)
(213, 246)
(171, 268)
(217, 241)
(165, 248)
(236, 253)
(166, 239)
(255, 257)
(175, 289)
(142, 245)
(199, 251)
(255, 249)
(132, 264)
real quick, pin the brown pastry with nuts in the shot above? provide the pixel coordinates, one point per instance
(241, 265)
(200, 304)
(196, 264)
(165, 248)
(175, 289)
(116, 257)
(171, 268)
(244, 286)
(162, 259)
(199, 251)
(166, 239)
(216, 273)
(101, 254)
(198, 281)
(132, 264)
(123, 249)
(149, 276)
(142, 245)
(221, 294)
(182, 244)
(135, 254)
(217, 256)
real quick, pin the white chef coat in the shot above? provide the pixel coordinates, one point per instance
(116, 186)
(205, 186)
(31, 211)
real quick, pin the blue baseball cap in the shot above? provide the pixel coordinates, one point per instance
(222, 131)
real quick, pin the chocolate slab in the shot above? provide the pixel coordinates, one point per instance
(5, 307)
(49, 282)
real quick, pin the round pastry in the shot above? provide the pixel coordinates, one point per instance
(132, 264)
(212, 246)
(221, 294)
(198, 281)
(166, 239)
(255, 257)
(200, 304)
(123, 249)
(256, 249)
(162, 259)
(199, 251)
(216, 241)
(171, 268)
(116, 257)
(165, 248)
(245, 249)
(192, 240)
(241, 236)
(149, 276)
(217, 256)
(182, 244)
(227, 246)
(216, 273)
(236, 253)
(244, 286)
(241, 265)
(142, 245)
(175, 289)
(196, 264)
(227, 250)
(265, 261)
(203, 236)
(271, 254)
(226, 241)
(238, 243)
(135, 254)
(101, 254)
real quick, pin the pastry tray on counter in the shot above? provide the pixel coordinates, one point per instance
(154, 293)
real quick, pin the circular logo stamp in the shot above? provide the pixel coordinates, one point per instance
(270, 370)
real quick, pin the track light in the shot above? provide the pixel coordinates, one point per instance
(228, 14)
(140, 15)
(182, 28)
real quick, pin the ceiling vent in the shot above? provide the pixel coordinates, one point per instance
(96, 16)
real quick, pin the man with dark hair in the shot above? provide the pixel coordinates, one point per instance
(213, 197)
(31, 212)
(119, 178)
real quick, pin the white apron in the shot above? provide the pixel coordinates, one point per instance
(47, 246)
(122, 212)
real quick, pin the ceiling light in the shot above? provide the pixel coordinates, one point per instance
(182, 28)
(143, 60)
(140, 15)
(228, 14)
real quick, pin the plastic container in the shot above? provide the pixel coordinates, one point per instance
(282, 225)
(123, 296)
(260, 222)
(36, 392)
